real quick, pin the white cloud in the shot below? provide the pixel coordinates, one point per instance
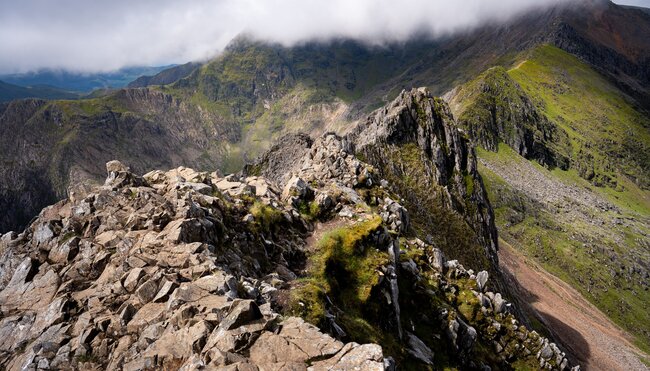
(97, 35)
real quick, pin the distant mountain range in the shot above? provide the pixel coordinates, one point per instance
(10, 92)
(59, 84)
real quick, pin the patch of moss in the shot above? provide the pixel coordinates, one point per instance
(404, 169)
(266, 216)
(309, 210)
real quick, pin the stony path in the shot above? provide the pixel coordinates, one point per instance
(596, 342)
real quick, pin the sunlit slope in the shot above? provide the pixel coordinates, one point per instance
(610, 138)
(589, 224)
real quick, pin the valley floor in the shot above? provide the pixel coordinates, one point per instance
(596, 342)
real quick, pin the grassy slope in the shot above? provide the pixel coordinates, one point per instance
(610, 136)
(573, 250)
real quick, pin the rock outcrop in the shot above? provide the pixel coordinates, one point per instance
(415, 145)
(494, 108)
(418, 132)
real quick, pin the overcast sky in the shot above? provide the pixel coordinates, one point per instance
(98, 35)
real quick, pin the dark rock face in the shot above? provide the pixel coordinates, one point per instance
(447, 160)
(46, 146)
(613, 39)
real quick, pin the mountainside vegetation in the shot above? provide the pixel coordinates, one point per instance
(609, 135)
(587, 223)
(187, 269)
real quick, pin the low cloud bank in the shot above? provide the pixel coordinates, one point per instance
(93, 36)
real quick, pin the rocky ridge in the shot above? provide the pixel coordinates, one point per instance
(158, 271)
(188, 270)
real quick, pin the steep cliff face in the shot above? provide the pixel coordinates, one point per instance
(46, 146)
(415, 143)
(611, 38)
(186, 269)
(493, 108)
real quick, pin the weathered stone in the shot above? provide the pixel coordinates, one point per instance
(437, 260)
(418, 349)
(147, 291)
(165, 290)
(148, 314)
(353, 357)
(296, 187)
(214, 283)
(241, 312)
(132, 279)
(116, 167)
(499, 303)
(481, 280)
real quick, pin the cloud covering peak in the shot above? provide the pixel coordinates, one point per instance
(96, 35)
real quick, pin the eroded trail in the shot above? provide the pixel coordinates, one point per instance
(596, 342)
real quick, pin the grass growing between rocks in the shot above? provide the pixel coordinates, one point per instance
(343, 266)
(343, 270)
(423, 300)
(404, 170)
(265, 216)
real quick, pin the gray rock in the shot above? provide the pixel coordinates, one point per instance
(242, 312)
(499, 303)
(346, 212)
(481, 279)
(324, 202)
(353, 357)
(296, 187)
(116, 167)
(437, 260)
(132, 279)
(546, 352)
(166, 288)
(418, 349)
